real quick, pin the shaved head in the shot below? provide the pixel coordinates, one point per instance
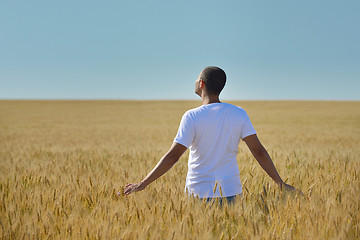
(214, 79)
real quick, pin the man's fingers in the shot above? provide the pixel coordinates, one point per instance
(126, 190)
(128, 186)
(300, 192)
(131, 187)
(290, 188)
(129, 190)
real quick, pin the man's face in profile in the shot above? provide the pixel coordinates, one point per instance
(197, 86)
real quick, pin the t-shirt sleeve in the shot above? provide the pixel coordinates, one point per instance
(186, 131)
(247, 128)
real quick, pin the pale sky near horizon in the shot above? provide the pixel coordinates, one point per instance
(272, 50)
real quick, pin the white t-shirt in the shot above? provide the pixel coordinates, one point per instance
(213, 132)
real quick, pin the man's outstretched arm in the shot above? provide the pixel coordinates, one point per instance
(263, 158)
(165, 163)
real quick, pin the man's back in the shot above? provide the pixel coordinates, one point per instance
(212, 132)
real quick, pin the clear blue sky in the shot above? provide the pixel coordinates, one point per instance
(152, 49)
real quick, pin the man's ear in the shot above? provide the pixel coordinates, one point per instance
(201, 84)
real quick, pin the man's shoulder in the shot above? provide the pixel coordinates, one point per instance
(193, 111)
(234, 108)
(196, 109)
(229, 105)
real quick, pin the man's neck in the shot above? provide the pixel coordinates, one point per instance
(208, 99)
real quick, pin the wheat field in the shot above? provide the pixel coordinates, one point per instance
(63, 162)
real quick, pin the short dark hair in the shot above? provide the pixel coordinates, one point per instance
(214, 79)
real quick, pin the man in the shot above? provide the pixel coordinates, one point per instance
(212, 132)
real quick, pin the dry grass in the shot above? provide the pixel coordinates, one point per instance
(62, 162)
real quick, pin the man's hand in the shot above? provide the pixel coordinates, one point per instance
(133, 187)
(165, 163)
(290, 188)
